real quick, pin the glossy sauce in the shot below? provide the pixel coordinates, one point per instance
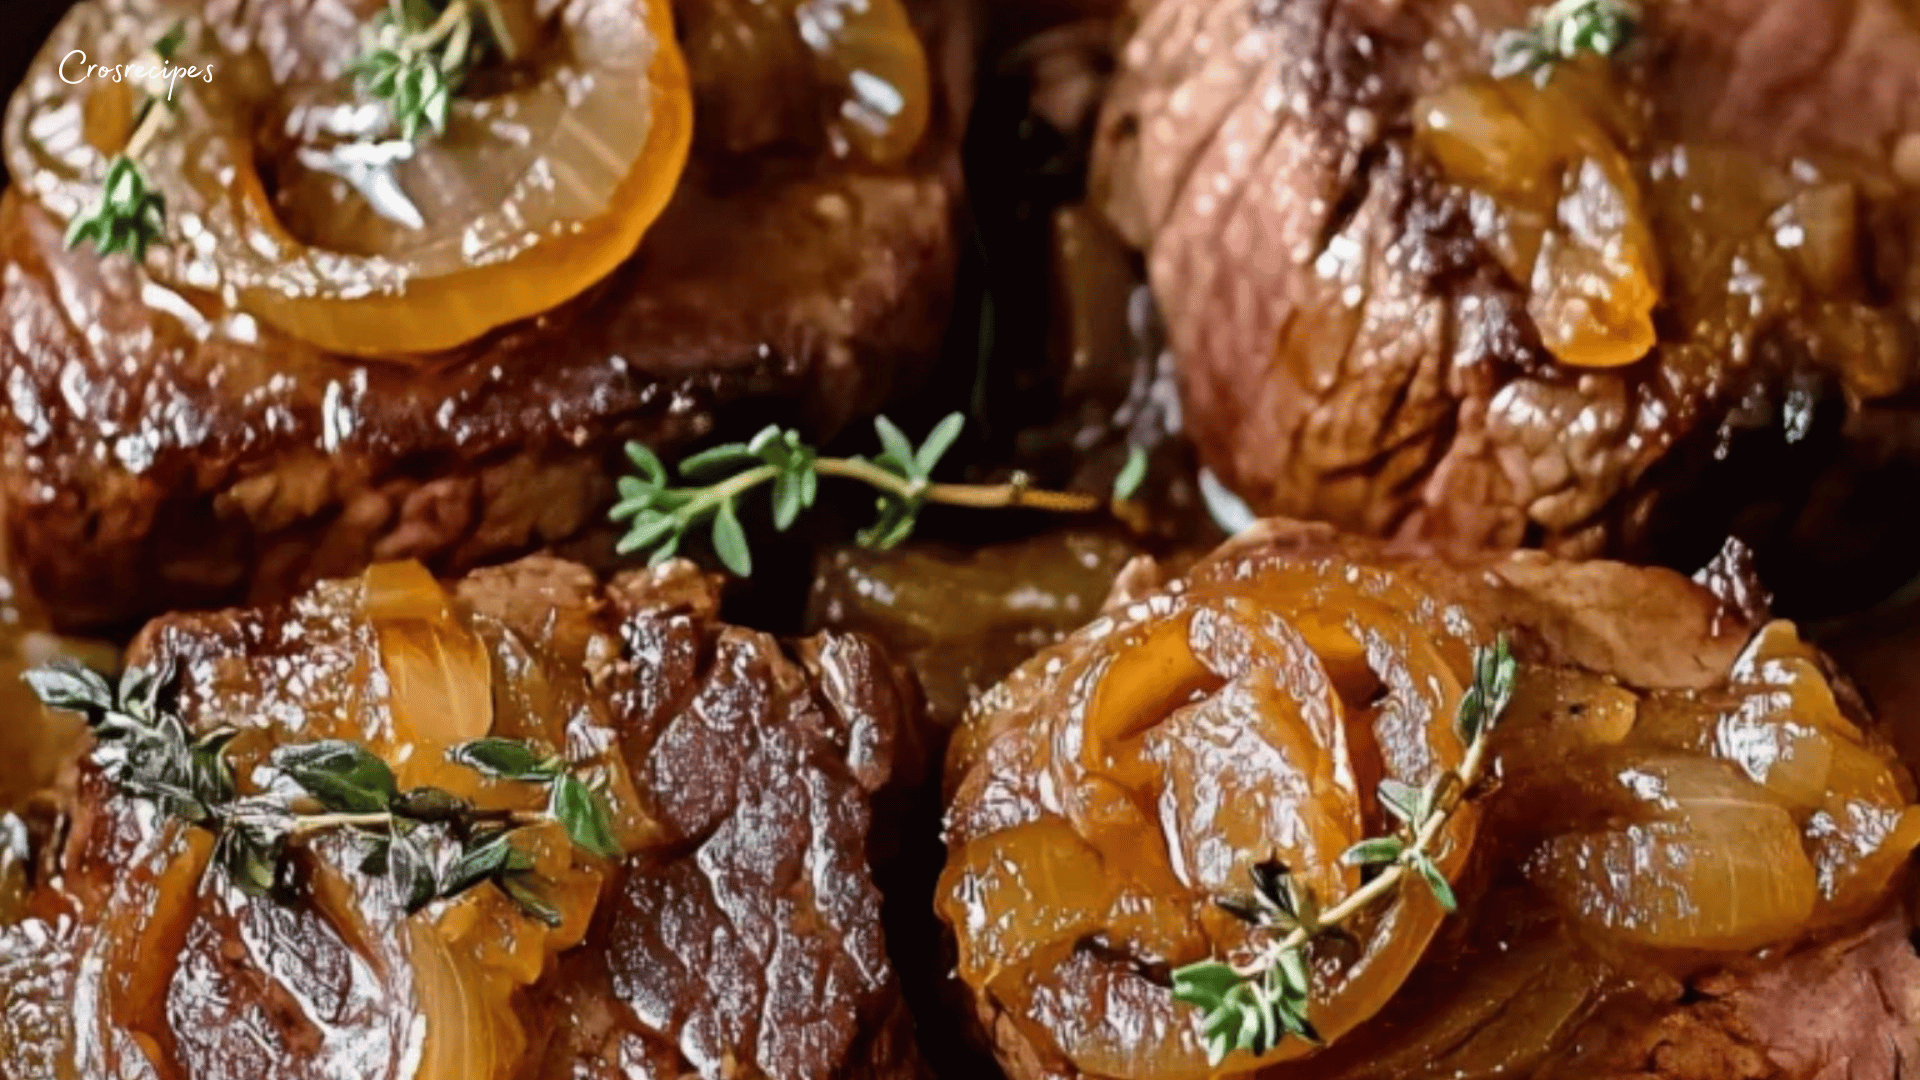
(772, 72)
(539, 188)
(393, 663)
(1111, 790)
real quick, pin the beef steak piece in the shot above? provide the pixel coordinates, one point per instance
(739, 936)
(1387, 275)
(163, 452)
(1647, 877)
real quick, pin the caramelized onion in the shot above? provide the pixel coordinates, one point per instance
(1696, 858)
(1560, 207)
(1172, 745)
(438, 672)
(1108, 794)
(336, 231)
(480, 950)
(397, 664)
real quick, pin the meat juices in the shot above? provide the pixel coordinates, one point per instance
(1677, 788)
(741, 935)
(1666, 295)
(167, 449)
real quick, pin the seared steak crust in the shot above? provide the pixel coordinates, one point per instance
(161, 452)
(1353, 348)
(743, 939)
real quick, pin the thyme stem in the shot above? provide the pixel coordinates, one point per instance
(1016, 494)
(307, 825)
(660, 514)
(429, 843)
(1387, 881)
(503, 38)
(456, 13)
(152, 121)
(1253, 1005)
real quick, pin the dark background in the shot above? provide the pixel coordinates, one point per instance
(24, 24)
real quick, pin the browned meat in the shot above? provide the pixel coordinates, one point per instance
(162, 451)
(1689, 827)
(740, 936)
(1844, 1011)
(1661, 297)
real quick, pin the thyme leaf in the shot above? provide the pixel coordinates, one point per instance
(659, 516)
(427, 842)
(1562, 31)
(416, 55)
(1134, 473)
(1253, 1007)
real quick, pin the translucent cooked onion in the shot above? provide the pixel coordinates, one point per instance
(438, 671)
(1778, 723)
(1696, 857)
(768, 71)
(1561, 209)
(1107, 795)
(334, 230)
(479, 950)
(1132, 777)
(462, 1032)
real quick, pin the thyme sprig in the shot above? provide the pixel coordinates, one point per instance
(130, 216)
(1561, 31)
(659, 515)
(1256, 1005)
(427, 842)
(417, 54)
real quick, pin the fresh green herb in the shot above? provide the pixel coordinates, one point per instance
(428, 843)
(130, 215)
(659, 516)
(1132, 475)
(417, 54)
(168, 46)
(1257, 1005)
(1561, 31)
(571, 800)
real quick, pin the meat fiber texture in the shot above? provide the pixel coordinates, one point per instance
(741, 936)
(151, 464)
(1365, 336)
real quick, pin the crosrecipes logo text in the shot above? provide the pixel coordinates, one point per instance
(75, 70)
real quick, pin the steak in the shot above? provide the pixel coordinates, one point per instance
(162, 453)
(1366, 296)
(1106, 801)
(740, 935)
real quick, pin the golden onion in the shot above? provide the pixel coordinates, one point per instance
(291, 197)
(1645, 817)
(1560, 208)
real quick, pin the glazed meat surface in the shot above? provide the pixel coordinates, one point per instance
(1681, 794)
(163, 449)
(1620, 310)
(740, 936)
